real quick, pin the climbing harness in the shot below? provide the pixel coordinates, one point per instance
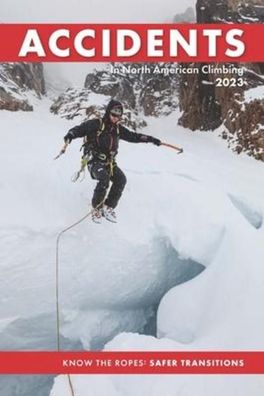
(109, 161)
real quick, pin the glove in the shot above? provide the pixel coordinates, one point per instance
(155, 141)
(68, 138)
(150, 139)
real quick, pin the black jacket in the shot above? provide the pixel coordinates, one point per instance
(101, 136)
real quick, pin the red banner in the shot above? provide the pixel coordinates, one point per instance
(131, 43)
(132, 363)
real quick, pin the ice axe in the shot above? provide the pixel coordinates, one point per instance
(64, 148)
(179, 149)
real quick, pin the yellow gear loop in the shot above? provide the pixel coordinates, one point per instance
(84, 162)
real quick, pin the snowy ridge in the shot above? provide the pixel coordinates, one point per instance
(187, 222)
(143, 93)
(256, 93)
(21, 85)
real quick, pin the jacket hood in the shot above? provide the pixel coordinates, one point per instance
(111, 105)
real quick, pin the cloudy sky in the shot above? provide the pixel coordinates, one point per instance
(89, 11)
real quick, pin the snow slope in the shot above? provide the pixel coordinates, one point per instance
(39, 200)
(179, 214)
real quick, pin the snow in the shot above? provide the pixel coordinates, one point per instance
(254, 94)
(178, 215)
(207, 311)
(38, 200)
(11, 88)
(253, 214)
(249, 19)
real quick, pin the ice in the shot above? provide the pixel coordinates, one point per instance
(219, 309)
(252, 214)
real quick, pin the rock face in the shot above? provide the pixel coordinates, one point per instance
(143, 92)
(16, 81)
(239, 110)
(238, 11)
(85, 104)
(105, 83)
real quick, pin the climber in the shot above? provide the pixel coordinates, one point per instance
(101, 140)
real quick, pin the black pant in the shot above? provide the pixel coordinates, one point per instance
(104, 174)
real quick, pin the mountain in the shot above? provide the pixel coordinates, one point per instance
(147, 93)
(236, 11)
(238, 111)
(188, 16)
(20, 83)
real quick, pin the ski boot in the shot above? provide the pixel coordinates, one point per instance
(109, 214)
(97, 216)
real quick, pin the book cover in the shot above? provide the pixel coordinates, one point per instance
(131, 190)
